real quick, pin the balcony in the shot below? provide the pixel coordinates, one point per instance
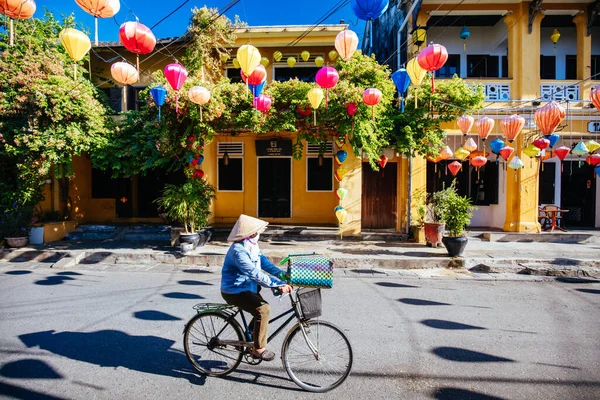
(560, 90)
(494, 89)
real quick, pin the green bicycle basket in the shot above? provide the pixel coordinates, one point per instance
(310, 271)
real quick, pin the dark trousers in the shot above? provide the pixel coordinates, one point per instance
(260, 310)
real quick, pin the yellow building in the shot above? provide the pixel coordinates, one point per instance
(513, 50)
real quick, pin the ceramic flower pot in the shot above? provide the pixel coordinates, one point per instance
(433, 233)
(17, 241)
(455, 245)
(188, 237)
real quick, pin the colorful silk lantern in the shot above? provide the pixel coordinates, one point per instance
(159, 94)
(541, 143)
(549, 117)
(198, 174)
(277, 55)
(319, 61)
(562, 152)
(249, 58)
(419, 36)
(383, 160)
(176, 75)
(515, 164)
(593, 159)
(595, 97)
(224, 58)
(416, 74)
(446, 153)
(402, 81)
(332, 55)
(304, 111)
(465, 123)
(257, 90)
(506, 152)
(432, 58)
(496, 145)
(315, 97)
(137, 38)
(263, 103)
(372, 97)
(199, 95)
(553, 139)
(264, 62)
(236, 63)
(291, 61)
(477, 153)
(16, 9)
(346, 43)
(554, 38)
(258, 76)
(484, 127)
(368, 10)
(580, 150)
(464, 35)
(461, 153)
(478, 162)
(470, 145)
(99, 9)
(531, 150)
(305, 55)
(341, 193)
(340, 156)
(340, 141)
(340, 173)
(454, 167)
(511, 126)
(124, 73)
(592, 145)
(341, 217)
(77, 45)
(351, 108)
(327, 78)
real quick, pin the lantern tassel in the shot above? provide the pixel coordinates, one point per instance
(200, 113)
(137, 61)
(433, 82)
(96, 31)
(315, 117)
(465, 45)
(326, 97)
(158, 113)
(75, 72)
(177, 103)
(12, 33)
(373, 113)
(402, 104)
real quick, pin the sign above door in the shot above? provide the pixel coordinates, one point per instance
(273, 147)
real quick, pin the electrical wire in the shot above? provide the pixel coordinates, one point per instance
(338, 6)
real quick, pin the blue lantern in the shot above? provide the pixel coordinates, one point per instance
(369, 10)
(597, 170)
(464, 35)
(553, 138)
(257, 89)
(341, 156)
(159, 94)
(496, 145)
(402, 81)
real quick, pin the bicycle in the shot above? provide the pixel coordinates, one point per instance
(215, 343)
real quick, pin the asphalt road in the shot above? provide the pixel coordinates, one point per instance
(93, 334)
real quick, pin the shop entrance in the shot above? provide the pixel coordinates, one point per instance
(578, 194)
(274, 187)
(379, 197)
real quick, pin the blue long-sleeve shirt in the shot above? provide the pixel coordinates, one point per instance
(241, 274)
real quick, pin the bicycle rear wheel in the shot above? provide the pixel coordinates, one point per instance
(202, 347)
(329, 367)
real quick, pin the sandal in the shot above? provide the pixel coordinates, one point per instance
(266, 355)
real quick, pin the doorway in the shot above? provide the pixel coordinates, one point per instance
(274, 187)
(379, 197)
(578, 194)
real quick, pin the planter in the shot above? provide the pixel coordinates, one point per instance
(433, 233)
(17, 241)
(188, 237)
(455, 245)
(204, 236)
(418, 233)
(36, 235)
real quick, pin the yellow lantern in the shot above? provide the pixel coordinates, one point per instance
(291, 61)
(341, 215)
(315, 97)
(264, 61)
(249, 58)
(333, 55)
(419, 36)
(554, 38)
(305, 55)
(346, 43)
(277, 56)
(592, 145)
(224, 58)
(235, 63)
(199, 95)
(531, 150)
(319, 61)
(461, 153)
(415, 73)
(76, 43)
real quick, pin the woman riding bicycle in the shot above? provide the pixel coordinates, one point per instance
(243, 272)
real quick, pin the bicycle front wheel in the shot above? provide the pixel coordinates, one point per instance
(202, 347)
(320, 360)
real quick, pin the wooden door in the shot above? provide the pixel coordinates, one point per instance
(379, 197)
(578, 194)
(274, 188)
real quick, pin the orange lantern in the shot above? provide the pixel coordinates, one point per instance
(484, 127)
(478, 162)
(124, 73)
(511, 126)
(479, 153)
(446, 153)
(346, 43)
(549, 117)
(454, 167)
(595, 97)
(465, 123)
(99, 9)
(17, 9)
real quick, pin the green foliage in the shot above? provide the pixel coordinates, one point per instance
(454, 210)
(188, 203)
(419, 198)
(15, 220)
(46, 116)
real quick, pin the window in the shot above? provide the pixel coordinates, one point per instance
(133, 98)
(319, 177)
(595, 67)
(233, 74)
(548, 67)
(451, 67)
(113, 95)
(484, 184)
(571, 66)
(482, 66)
(231, 176)
(305, 74)
(504, 67)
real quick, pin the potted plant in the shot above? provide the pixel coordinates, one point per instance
(188, 203)
(457, 212)
(418, 226)
(434, 223)
(14, 225)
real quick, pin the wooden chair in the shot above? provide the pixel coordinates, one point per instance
(543, 219)
(549, 217)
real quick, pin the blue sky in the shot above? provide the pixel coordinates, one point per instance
(254, 12)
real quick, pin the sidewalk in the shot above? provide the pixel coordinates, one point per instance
(568, 256)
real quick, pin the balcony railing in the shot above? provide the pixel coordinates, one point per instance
(494, 89)
(560, 90)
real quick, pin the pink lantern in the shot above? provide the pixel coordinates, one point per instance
(176, 75)
(541, 143)
(327, 78)
(372, 97)
(454, 167)
(432, 58)
(351, 108)
(263, 103)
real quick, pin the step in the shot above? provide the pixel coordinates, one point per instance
(543, 237)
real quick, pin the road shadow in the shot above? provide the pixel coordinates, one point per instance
(367, 271)
(66, 273)
(37, 256)
(464, 355)
(593, 291)
(421, 302)
(29, 369)
(180, 295)
(254, 377)
(54, 280)
(448, 393)
(111, 348)
(448, 325)
(17, 392)
(394, 284)
(196, 271)
(197, 283)
(576, 280)
(18, 272)
(152, 315)
(95, 257)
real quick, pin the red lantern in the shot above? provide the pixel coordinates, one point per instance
(465, 123)
(305, 112)
(511, 126)
(595, 97)
(541, 143)
(432, 58)
(351, 108)
(137, 38)
(454, 167)
(327, 78)
(484, 127)
(593, 159)
(372, 97)
(263, 103)
(198, 174)
(506, 152)
(562, 152)
(478, 161)
(549, 117)
(382, 163)
(258, 76)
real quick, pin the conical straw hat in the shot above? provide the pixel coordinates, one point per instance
(246, 226)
